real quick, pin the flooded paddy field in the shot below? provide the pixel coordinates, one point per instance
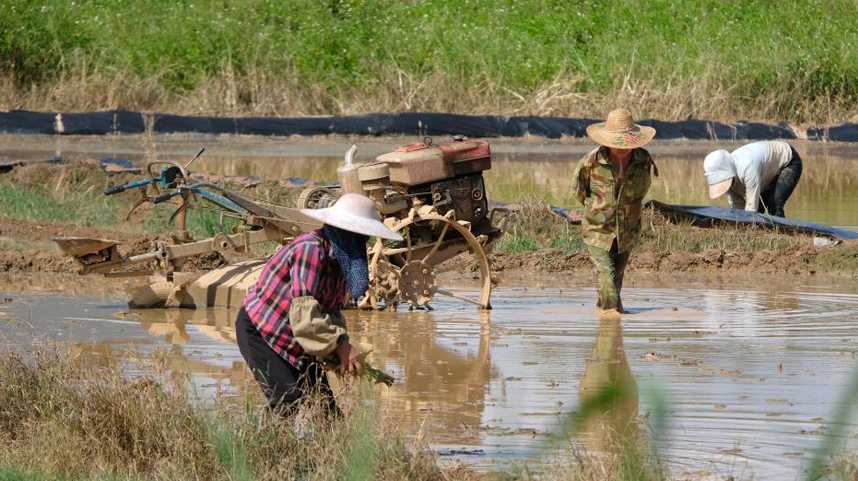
(752, 375)
(827, 192)
(752, 369)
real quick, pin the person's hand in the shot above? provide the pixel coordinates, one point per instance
(348, 355)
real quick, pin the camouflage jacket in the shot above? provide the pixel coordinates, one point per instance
(612, 205)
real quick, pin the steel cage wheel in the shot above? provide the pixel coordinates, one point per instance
(405, 272)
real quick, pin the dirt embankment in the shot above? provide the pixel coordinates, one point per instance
(69, 196)
(842, 260)
(46, 258)
(35, 252)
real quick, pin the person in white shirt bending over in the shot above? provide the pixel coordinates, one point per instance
(759, 177)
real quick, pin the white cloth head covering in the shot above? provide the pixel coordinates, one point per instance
(354, 213)
(719, 169)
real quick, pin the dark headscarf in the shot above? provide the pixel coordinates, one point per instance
(350, 251)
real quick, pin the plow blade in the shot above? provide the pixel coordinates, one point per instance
(83, 246)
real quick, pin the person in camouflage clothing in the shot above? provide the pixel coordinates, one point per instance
(611, 182)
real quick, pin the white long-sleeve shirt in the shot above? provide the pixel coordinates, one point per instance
(757, 166)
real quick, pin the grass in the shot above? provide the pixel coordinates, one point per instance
(65, 194)
(361, 459)
(514, 243)
(12, 474)
(72, 194)
(64, 420)
(531, 226)
(661, 236)
(91, 209)
(534, 227)
(666, 58)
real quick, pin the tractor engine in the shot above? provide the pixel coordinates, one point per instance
(447, 176)
(435, 197)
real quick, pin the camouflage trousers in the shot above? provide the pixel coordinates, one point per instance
(609, 266)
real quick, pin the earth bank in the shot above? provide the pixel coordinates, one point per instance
(39, 202)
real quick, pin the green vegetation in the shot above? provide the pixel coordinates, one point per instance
(65, 420)
(533, 226)
(72, 194)
(92, 209)
(516, 244)
(791, 60)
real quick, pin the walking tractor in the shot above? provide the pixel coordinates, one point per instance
(434, 195)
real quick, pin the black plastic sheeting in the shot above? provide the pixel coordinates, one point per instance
(83, 123)
(572, 216)
(847, 132)
(100, 123)
(24, 122)
(451, 124)
(406, 123)
(707, 215)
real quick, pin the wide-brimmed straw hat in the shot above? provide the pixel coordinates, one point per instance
(620, 131)
(719, 169)
(354, 213)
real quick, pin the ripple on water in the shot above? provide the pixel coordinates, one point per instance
(750, 376)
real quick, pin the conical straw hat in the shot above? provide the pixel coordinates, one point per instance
(354, 213)
(620, 131)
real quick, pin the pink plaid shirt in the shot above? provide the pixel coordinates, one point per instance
(305, 267)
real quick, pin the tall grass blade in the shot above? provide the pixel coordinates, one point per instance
(363, 452)
(655, 396)
(834, 436)
(573, 422)
(230, 450)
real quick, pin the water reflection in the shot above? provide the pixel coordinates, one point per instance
(826, 193)
(440, 379)
(751, 376)
(607, 376)
(172, 324)
(539, 168)
(175, 326)
(440, 385)
(174, 364)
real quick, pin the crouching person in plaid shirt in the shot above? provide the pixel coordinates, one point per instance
(291, 318)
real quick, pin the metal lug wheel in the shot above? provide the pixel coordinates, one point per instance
(406, 271)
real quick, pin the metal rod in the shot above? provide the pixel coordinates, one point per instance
(203, 149)
(454, 296)
(143, 257)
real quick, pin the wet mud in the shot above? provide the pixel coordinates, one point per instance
(826, 193)
(751, 375)
(799, 261)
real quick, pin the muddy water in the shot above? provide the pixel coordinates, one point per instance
(751, 376)
(827, 192)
